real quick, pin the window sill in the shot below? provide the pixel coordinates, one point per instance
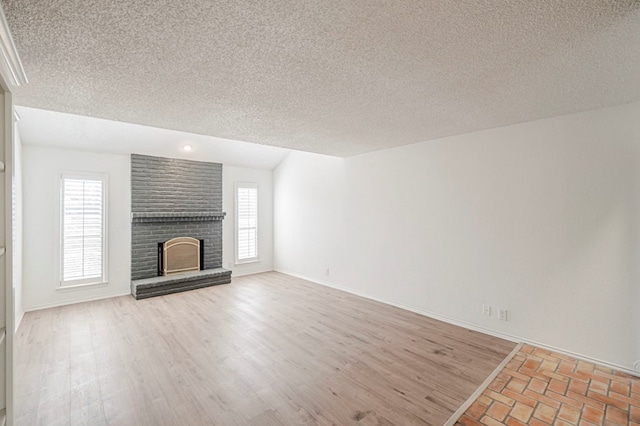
(244, 262)
(80, 286)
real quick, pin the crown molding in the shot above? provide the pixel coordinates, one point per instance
(10, 64)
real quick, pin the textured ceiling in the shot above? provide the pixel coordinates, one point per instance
(339, 77)
(60, 130)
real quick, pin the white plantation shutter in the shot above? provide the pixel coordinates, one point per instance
(246, 222)
(83, 228)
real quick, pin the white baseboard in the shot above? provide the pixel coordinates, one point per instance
(73, 302)
(19, 320)
(470, 326)
(243, 274)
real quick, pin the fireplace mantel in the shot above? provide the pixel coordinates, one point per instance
(166, 217)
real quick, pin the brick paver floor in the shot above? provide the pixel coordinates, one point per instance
(539, 387)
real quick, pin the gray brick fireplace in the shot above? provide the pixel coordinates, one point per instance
(174, 198)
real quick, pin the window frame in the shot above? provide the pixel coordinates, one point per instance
(256, 258)
(91, 281)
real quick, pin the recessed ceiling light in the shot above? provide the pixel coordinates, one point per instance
(187, 148)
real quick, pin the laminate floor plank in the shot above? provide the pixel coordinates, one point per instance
(267, 349)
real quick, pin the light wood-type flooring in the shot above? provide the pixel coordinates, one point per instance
(267, 349)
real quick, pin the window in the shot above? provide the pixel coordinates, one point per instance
(83, 226)
(246, 222)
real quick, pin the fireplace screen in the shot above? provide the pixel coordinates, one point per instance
(182, 254)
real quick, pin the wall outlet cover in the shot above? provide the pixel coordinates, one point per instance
(502, 314)
(486, 309)
(636, 365)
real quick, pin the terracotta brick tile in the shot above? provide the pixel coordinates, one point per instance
(608, 400)
(564, 369)
(617, 416)
(537, 385)
(576, 376)
(532, 373)
(621, 388)
(476, 410)
(567, 365)
(519, 376)
(635, 414)
(531, 364)
(564, 400)
(596, 377)
(592, 415)
(549, 365)
(503, 376)
(624, 375)
(513, 422)
(539, 351)
(517, 385)
(613, 377)
(578, 387)
(569, 414)
(587, 401)
(505, 400)
(486, 420)
(623, 398)
(518, 397)
(536, 422)
(468, 421)
(497, 384)
(565, 357)
(603, 369)
(585, 366)
(521, 412)
(526, 349)
(558, 386)
(498, 411)
(541, 398)
(514, 364)
(545, 413)
(595, 386)
(553, 375)
(484, 400)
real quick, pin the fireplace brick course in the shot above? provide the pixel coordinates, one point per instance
(174, 185)
(174, 198)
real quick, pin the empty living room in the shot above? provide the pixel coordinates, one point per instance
(320, 212)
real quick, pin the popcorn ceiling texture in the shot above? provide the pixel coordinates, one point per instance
(333, 76)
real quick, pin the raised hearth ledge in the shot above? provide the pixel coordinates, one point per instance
(158, 286)
(164, 217)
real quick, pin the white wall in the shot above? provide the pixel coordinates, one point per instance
(540, 218)
(41, 178)
(17, 229)
(42, 167)
(264, 179)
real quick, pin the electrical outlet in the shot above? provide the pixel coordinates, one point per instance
(486, 309)
(326, 272)
(636, 365)
(502, 314)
